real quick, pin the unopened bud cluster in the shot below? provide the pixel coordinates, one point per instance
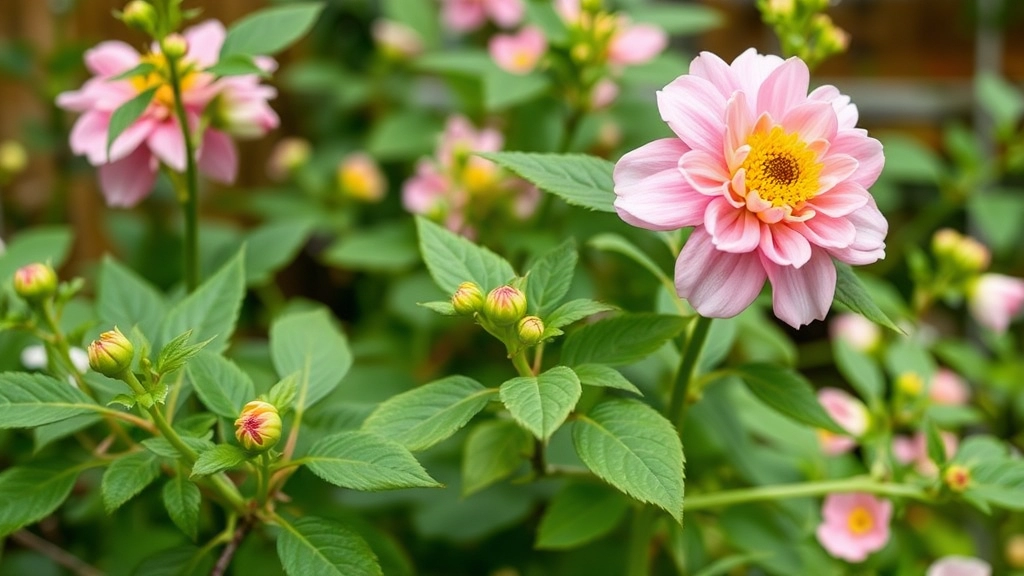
(503, 308)
(258, 427)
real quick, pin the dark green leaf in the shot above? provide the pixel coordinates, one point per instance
(28, 400)
(578, 179)
(127, 300)
(322, 547)
(364, 461)
(550, 277)
(574, 310)
(621, 339)
(542, 403)
(126, 477)
(182, 499)
(789, 393)
(604, 377)
(237, 65)
(212, 310)
(309, 345)
(220, 457)
(452, 260)
(221, 385)
(31, 493)
(494, 450)
(271, 30)
(579, 513)
(850, 292)
(127, 113)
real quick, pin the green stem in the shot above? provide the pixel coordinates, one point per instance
(687, 370)
(190, 201)
(802, 490)
(522, 365)
(263, 475)
(63, 348)
(640, 539)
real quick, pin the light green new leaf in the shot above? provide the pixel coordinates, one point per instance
(212, 310)
(424, 416)
(31, 493)
(271, 30)
(220, 457)
(542, 403)
(578, 179)
(494, 450)
(365, 461)
(182, 499)
(635, 449)
(28, 400)
(621, 339)
(605, 377)
(43, 244)
(126, 477)
(126, 114)
(850, 292)
(126, 300)
(579, 513)
(1003, 102)
(314, 545)
(161, 447)
(309, 345)
(574, 310)
(860, 370)
(787, 392)
(220, 384)
(550, 277)
(452, 259)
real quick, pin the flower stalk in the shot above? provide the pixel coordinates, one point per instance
(189, 195)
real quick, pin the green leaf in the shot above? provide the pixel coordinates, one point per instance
(860, 370)
(144, 69)
(494, 450)
(550, 277)
(161, 447)
(424, 416)
(908, 160)
(127, 113)
(935, 446)
(579, 179)
(42, 244)
(579, 513)
(282, 395)
(237, 65)
(503, 89)
(443, 307)
(610, 242)
(212, 310)
(314, 545)
(605, 377)
(271, 246)
(1000, 217)
(310, 345)
(31, 493)
(787, 392)
(678, 19)
(727, 565)
(452, 260)
(220, 457)
(178, 352)
(420, 15)
(182, 499)
(621, 339)
(544, 16)
(271, 30)
(127, 300)
(385, 248)
(28, 400)
(404, 136)
(126, 477)
(1000, 99)
(574, 310)
(632, 447)
(365, 461)
(850, 292)
(542, 403)
(220, 384)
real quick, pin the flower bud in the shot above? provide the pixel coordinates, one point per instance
(945, 242)
(35, 282)
(957, 478)
(505, 305)
(13, 159)
(830, 37)
(994, 300)
(396, 40)
(1015, 551)
(468, 298)
(111, 354)
(972, 255)
(258, 427)
(782, 9)
(140, 15)
(910, 384)
(288, 156)
(531, 330)
(174, 46)
(360, 178)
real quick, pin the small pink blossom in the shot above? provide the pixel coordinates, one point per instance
(854, 525)
(605, 92)
(959, 566)
(469, 15)
(518, 53)
(860, 333)
(995, 299)
(849, 412)
(773, 180)
(914, 450)
(635, 44)
(949, 388)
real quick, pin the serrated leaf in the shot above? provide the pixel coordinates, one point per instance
(850, 292)
(443, 307)
(860, 370)
(542, 403)
(578, 179)
(314, 545)
(161, 447)
(574, 310)
(220, 384)
(282, 394)
(452, 259)
(309, 345)
(579, 513)
(212, 310)
(788, 393)
(365, 461)
(28, 400)
(621, 339)
(182, 499)
(127, 300)
(220, 457)
(177, 353)
(550, 277)
(634, 448)
(494, 450)
(31, 493)
(605, 377)
(424, 416)
(268, 31)
(126, 114)
(126, 477)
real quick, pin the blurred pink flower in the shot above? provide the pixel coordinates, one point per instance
(774, 181)
(628, 44)
(468, 15)
(914, 450)
(949, 388)
(128, 172)
(854, 525)
(605, 92)
(518, 53)
(860, 333)
(959, 566)
(994, 299)
(849, 412)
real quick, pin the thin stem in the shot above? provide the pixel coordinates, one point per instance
(55, 553)
(190, 199)
(687, 369)
(229, 551)
(639, 541)
(802, 490)
(63, 348)
(522, 366)
(263, 477)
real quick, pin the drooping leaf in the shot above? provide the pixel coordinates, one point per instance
(579, 513)
(850, 292)
(220, 384)
(212, 310)
(312, 545)
(787, 392)
(28, 400)
(182, 499)
(494, 450)
(271, 30)
(578, 179)
(220, 457)
(365, 461)
(542, 403)
(620, 339)
(550, 277)
(30, 493)
(452, 259)
(605, 377)
(309, 345)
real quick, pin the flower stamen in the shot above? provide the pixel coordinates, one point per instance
(860, 521)
(781, 168)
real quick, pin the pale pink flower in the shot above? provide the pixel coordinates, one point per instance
(959, 566)
(854, 525)
(914, 450)
(518, 53)
(774, 181)
(128, 172)
(604, 93)
(851, 415)
(948, 388)
(629, 44)
(994, 299)
(396, 39)
(860, 333)
(468, 15)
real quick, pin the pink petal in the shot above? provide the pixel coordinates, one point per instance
(865, 150)
(505, 13)
(637, 44)
(111, 58)
(422, 193)
(732, 229)
(717, 284)
(695, 111)
(129, 180)
(784, 246)
(827, 232)
(218, 157)
(569, 10)
(205, 41)
(800, 295)
(739, 124)
(812, 121)
(835, 169)
(650, 191)
(784, 88)
(168, 144)
(715, 70)
(842, 199)
(89, 137)
(704, 172)
(131, 138)
(463, 15)
(869, 244)
(846, 112)
(751, 69)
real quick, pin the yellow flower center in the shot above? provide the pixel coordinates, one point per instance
(159, 77)
(479, 177)
(860, 521)
(522, 60)
(781, 168)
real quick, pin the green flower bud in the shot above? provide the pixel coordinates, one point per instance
(258, 427)
(287, 157)
(13, 158)
(140, 15)
(468, 298)
(174, 46)
(505, 305)
(531, 330)
(957, 478)
(111, 354)
(35, 282)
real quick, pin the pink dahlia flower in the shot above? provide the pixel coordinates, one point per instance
(773, 180)
(468, 15)
(854, 525)
(949, 388)
(849, 413)
(128, 171)
(959, 566)
(995, 299)
(518, 53)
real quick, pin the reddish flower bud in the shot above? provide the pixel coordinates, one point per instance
(957, 478)
(505, 305)
(258, 427)
(111, 354)
(35, 282)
